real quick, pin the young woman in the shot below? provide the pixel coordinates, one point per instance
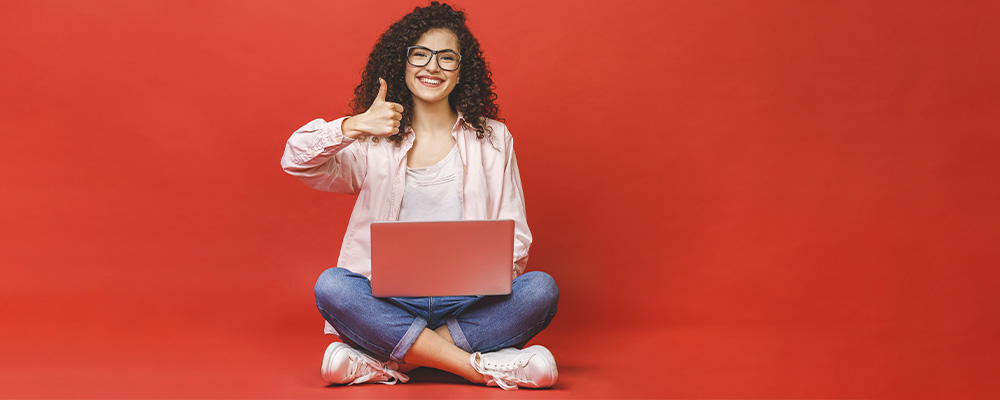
(424, 144)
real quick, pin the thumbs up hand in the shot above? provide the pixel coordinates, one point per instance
(381, 119)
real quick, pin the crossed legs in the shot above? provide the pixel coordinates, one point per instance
(436, 349)
(392, 330)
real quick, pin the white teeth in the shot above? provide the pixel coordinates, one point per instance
(430, 81)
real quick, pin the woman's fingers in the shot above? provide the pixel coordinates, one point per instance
(383, 118)
(380, 97)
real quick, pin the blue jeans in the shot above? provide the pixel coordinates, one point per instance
(387, 327)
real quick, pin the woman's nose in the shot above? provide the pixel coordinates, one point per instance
(432, 65)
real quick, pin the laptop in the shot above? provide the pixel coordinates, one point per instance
(442, 258)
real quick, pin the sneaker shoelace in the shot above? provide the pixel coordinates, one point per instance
(506, 375)
(368, 369)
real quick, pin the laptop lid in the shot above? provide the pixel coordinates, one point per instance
(442, 258)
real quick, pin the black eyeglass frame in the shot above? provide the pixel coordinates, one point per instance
(434, 54)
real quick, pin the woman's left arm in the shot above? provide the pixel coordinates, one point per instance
(512, 205)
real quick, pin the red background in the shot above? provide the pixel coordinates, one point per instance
(738, 199)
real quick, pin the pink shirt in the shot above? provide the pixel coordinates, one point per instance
(319, 155)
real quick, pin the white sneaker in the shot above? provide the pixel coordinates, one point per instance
(533, 367)
(345, 364)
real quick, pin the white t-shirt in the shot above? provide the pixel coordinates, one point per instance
(434, 193)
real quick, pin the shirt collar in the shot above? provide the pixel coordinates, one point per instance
(460, 123)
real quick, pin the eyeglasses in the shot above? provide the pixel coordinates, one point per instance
(419, 56)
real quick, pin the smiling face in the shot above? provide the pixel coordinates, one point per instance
(430, 84)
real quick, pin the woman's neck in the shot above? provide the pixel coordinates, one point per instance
(433, 119)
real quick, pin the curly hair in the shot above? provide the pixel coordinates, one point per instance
(473, 96)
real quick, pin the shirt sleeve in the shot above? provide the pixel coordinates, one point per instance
(319, 155)
(512, 206)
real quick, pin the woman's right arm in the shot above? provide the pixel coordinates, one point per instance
(320, 155)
